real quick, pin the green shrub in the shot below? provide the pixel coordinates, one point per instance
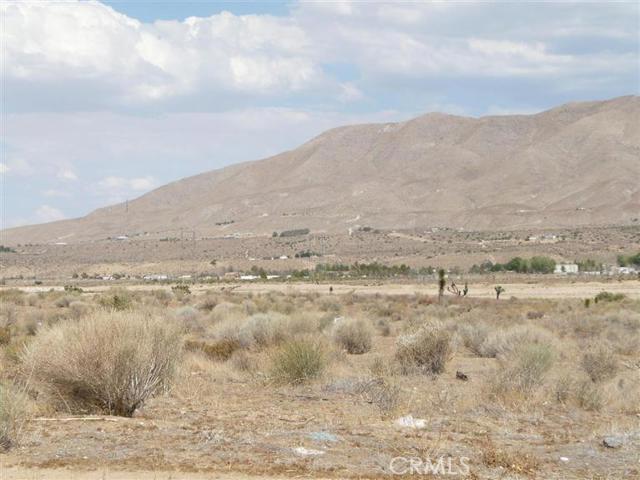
(298, 361)
(110, 362)
(181, 290)
(609, 297)
(117, 299)
(72, 289)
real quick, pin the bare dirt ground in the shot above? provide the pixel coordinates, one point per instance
(560, 288)
(225, 421)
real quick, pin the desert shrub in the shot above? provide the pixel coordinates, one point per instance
(220, 349)
(501, 343)
(5, 335)
(187, 314)
(181, 290)
(263, 330)
(72, 289)
(242, 361)
(208, 303)
(380, 367)
(164, 297)
(225, 311)
(353, 335)
(382, 393)
(428, 349)
(109, 362)
(609, 297)
(8, 313)
(589, 395)
(33, 300)
(523, 370)
(79, 309)
(12, 414)
(563, 388)
(298, 361)
(65, 301)
(12, 295)
(474, 336)
(384, 327)
(600, 363)
(329, 304)
(116, 299)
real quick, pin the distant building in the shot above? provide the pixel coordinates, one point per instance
(155, 278)
(566, 268)
(249, 277)
(615, 270)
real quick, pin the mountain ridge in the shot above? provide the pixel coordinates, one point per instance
(576, 164)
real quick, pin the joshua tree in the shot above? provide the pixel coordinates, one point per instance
(453, 288)
(441, 283)
(465, 290)
(499, 290)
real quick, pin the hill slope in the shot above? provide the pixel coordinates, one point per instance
(577, 164)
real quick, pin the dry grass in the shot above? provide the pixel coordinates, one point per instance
(299, 361)
(522, 372)
(109, 362)
(427, 350)
(13, 411)
(600, 363)
(354, 336)
(528, 363)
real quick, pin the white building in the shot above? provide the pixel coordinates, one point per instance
(566, 268)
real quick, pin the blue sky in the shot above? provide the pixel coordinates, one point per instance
(104, 101)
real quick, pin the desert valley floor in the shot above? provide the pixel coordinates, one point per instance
(333, 378)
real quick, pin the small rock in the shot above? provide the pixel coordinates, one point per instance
(306, 452)
(323, 437)
(564, 459)
(461, 376)
(612, 442)
(409, 422)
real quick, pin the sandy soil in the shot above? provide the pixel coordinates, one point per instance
(20, 473)
(551, 290)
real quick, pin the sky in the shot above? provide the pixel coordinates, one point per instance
(104, 101)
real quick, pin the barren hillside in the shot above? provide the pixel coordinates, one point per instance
(574, 165)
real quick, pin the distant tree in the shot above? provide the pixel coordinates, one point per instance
(453, 288)
(542, 265)
(499, 289)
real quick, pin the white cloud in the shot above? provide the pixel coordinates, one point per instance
(350, 92)
(124, 60)
(19, 166)
(114, 189)
(67, 174)
(54, 193)
(90, 42)
(47, 213)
